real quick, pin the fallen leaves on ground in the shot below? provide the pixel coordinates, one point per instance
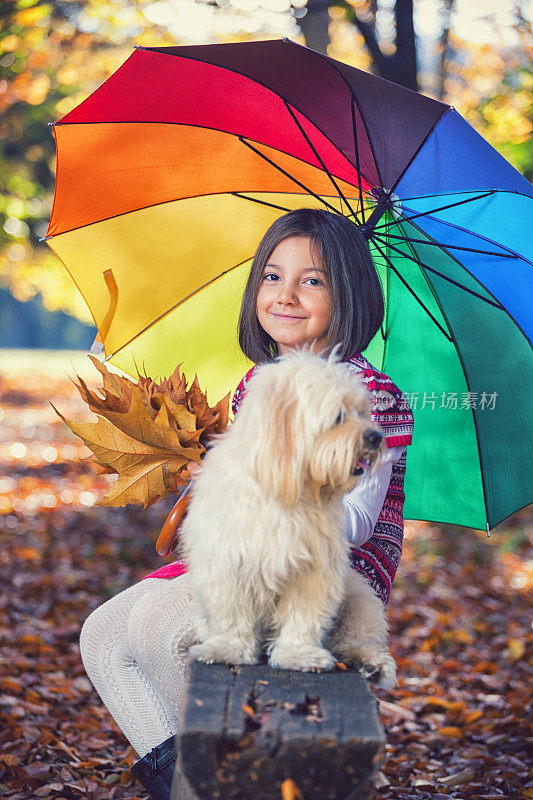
(458, 725)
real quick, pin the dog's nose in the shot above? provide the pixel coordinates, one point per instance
(372, 439)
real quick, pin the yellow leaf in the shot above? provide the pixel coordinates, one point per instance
(112, 382)
(472, 716)
(31, 16)
(450, 732)
(9, 43)
(139, 464)
(143, 482)
(515, 649)
(184, 419)
(460, 635)
(290, 790)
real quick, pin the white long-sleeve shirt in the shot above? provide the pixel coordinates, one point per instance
(364, 503)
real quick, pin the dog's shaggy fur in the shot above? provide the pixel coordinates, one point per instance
(262, 537)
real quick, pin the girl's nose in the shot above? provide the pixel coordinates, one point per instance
(287, 295)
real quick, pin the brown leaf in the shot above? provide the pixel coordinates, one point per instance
(9, 760)
(37, 770)
(146, 433)
(112, 381)
(451, 732)
(458, 778)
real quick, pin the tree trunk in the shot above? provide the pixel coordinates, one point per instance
(403, 64)
(315, 25)
(401, 67)
(444, 48)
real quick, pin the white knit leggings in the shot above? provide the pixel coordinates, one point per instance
(134, 650)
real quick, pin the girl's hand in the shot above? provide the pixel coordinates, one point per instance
(192, 467)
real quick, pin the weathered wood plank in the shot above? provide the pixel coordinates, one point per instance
(246, 729)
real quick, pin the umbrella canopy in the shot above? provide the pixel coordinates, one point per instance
(169, 174)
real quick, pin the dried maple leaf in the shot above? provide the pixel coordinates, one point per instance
(146, 433)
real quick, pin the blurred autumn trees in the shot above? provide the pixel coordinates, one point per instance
(54, 53)
(393, 56)
(49, 64)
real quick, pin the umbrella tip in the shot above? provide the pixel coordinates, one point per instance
(488, 531)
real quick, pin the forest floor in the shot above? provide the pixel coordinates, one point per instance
(458, 725)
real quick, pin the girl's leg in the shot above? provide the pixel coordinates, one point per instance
(116, 675)
(160, 631)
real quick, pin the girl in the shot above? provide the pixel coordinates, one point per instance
(312, 281)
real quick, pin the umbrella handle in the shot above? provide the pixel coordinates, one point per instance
(168, 539)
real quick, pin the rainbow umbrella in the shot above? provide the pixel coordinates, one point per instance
(169, 174)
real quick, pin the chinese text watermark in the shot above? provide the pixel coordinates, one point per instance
(452, 401)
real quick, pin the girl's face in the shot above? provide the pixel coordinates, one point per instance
(294, 298)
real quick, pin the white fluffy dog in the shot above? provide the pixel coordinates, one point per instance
(262, 537)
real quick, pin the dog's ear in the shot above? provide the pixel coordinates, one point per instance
(277, 448)
(330, 462)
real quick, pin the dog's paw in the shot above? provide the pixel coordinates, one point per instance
(302, 657)
(378, 667)
(203, 652)
(220, 650)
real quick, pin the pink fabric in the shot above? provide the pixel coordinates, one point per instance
(169, 570)
(378, 558)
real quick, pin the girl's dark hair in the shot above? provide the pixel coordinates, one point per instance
(356, 292)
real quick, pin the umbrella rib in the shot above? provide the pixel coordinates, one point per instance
(465, 373)
(172, 308)
(505, 311)
(288, 175)
(315, 151)
(261, 202)
(477, 236)
(428, 312)
(272, 91)
(354, 101)
(437, 194)
(155, 205)
(358, 165)
(385, 199)
(450, 246)
(434, 210)
(436, 272)
(152, 205)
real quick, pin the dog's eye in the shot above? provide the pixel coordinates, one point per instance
(340, 417)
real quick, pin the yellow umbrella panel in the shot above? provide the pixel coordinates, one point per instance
(161, 247)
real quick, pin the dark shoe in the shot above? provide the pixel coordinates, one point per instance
(155, 770)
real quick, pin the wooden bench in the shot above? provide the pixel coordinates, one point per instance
(270, 734)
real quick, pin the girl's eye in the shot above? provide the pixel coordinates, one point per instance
(317, 282)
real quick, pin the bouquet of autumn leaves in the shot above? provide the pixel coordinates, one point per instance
(146, 432)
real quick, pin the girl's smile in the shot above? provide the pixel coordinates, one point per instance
(294, 300)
